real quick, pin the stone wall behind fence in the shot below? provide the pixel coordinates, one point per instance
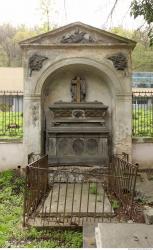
(142, 152)
(11, 153)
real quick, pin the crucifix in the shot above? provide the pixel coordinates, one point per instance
(78, 89)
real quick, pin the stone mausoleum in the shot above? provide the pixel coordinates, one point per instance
(77, 95)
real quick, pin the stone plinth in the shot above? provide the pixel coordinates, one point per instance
(121, 235)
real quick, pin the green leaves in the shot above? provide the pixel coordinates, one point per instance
(14, 118)
(142, 122)
(144, 8)
(115, 204)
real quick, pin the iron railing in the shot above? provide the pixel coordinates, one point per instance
(11, 114)
(122, 182)
(142, 103)
(73, 198)
(36, 185)
(70, 196)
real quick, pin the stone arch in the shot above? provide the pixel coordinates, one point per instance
(105, 67)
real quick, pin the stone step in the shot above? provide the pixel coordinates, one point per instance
(123, 235)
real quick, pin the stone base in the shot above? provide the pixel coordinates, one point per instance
(121, 235)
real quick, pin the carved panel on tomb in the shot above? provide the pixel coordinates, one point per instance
(90, 110)
(78, 146)
(92, 146)
(77, 134)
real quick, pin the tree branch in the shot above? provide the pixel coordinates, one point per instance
(65, 10)
(111, 12)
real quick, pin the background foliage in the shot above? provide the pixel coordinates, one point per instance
(10, 53)
(144, 8)
(142, 56)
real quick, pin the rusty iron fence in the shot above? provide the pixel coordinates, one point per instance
(142, 114)
(70, 196)
(122, 182)
(11, 114)
(75, 198)
(36, 185)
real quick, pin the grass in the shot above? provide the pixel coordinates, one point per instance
(7, 119)
(143, 122)
(93, 188)
(11, 232)
(115, 203)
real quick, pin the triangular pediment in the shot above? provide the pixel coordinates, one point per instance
(77, 33)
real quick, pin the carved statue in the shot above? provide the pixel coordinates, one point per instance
(36, 62)
(78, 89)
(73, 91)
(119, 60)
(83, 91)
(77, 37)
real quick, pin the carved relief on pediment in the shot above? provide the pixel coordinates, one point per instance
(77, 36)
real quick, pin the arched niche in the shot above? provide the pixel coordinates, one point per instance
(105, 68)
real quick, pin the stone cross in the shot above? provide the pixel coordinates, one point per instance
(78, 89)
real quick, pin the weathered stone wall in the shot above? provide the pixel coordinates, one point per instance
(142, 152)
(11, 155)
(58, 86)
(55, 60)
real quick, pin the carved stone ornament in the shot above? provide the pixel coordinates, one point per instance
(36, 62)
(78, 114)
(119, 60)
(77, 36)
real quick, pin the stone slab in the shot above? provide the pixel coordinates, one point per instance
(89, 235)
(54, 197)
(122, 235)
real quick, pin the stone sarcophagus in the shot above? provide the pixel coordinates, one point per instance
(76, 133)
